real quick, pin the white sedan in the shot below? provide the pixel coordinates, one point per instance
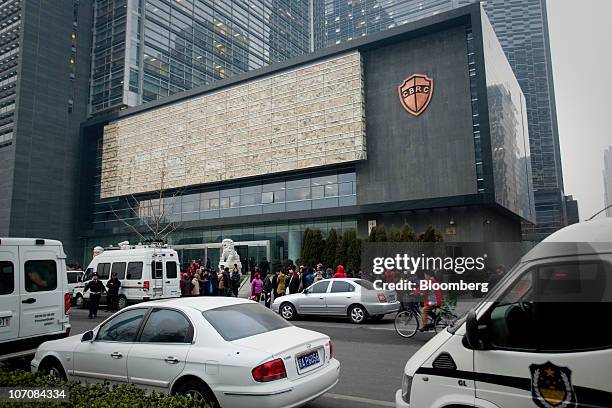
(231, 352)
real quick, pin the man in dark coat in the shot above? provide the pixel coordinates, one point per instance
(96, 287)
(112, 294)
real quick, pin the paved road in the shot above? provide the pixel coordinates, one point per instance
(372, 357)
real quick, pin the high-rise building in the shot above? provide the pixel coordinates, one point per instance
(607, 177)
(522, 29)
(146, 50)
(44, 73)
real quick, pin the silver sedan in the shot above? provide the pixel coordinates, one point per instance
(354, 298)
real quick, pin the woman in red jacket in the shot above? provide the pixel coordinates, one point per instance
(339, 272)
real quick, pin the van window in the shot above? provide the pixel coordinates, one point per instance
(134, 270)
(73, 277)
(119, 269)
(103, 270)
(171, 270)
(535, 313)
(7, 277)
(157, 269)
(40, 275)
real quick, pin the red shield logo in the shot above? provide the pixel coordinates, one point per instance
(415, 93)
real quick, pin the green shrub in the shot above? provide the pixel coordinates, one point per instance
(89, 395)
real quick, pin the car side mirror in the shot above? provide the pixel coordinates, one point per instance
(472, 332)
(88, 336)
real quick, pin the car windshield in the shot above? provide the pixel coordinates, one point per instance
(365, 284)
(245, 320)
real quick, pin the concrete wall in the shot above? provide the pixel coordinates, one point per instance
(422, 157)
(47, 146)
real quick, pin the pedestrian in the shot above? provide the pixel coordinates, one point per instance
(235, 280)
(96, 287)
(267, 290)
(264, 266)
(294, 282)
(195, 285)
(328, 273)
(214, 283)
(309, 278)
(256, 287)
(281, 285)
(340, 272)
(112, 294)
(205, 283)
(318, 276)
(186, 284)
(302, 275)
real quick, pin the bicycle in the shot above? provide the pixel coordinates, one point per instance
(408, 320)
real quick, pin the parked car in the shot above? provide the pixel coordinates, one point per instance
(355, 298)
(146, 272)
(538, 340)
(231, 352)
(34, 297)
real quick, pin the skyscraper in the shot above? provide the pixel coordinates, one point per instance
(44, 72)
(522, 29)
(145, 50)
(607, 177)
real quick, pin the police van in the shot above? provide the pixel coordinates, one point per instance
(146, 272)
(34, 296)
(542, 338)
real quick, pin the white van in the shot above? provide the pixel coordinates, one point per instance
(74, 278)
(542, 339)
(146, 272)
(34, 297)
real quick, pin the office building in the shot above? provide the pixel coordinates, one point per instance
(44, 72)
(522, 29)
(400, 128)
(607, 177)
(146, 50)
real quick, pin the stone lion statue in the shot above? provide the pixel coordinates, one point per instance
(229, 256)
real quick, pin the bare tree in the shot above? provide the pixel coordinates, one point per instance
(155, 220)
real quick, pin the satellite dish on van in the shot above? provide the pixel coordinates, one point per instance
(123, 243)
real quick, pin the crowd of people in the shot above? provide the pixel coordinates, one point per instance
(265, 286)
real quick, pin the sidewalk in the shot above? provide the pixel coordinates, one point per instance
(245, 288)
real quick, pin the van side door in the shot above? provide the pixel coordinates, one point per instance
(9, 293)
(545, 340)
(172, 287)
(42, 296)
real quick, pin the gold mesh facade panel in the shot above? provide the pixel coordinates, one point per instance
(308, 117)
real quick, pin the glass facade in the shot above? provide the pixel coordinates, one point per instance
(147, 49)
(349, 19)
(508, 130)
(10, 23)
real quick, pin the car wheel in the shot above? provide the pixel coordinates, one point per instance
(357, 314)
(53, 369)
(79, 301)
(121, 302)
(287, 311)
(198, 392)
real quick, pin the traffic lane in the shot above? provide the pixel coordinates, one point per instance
(372, 358)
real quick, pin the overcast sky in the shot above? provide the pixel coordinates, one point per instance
(581, 43)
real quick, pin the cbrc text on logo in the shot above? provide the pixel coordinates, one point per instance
(415, 93)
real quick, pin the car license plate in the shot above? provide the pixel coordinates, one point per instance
(308, 360)
(5, 321)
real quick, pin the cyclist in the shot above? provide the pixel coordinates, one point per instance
(433, 299)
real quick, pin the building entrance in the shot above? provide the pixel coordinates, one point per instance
(250, 252)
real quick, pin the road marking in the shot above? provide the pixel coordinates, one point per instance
(360, 399)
